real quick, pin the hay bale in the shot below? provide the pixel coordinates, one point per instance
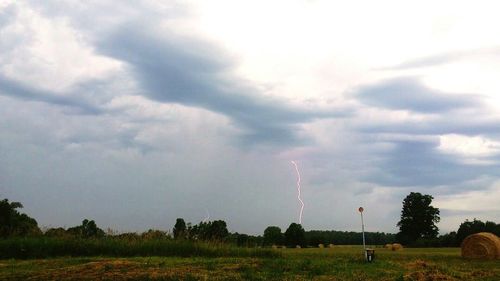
(483, 245)
(330, 246)
(298, 247)
(388, 246)
(321, 246)
(283, 247)
(396, 247)
(274, 247)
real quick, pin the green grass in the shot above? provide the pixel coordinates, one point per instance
(24, 248)
(339, 263)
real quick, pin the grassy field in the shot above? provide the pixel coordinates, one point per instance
(339, 263)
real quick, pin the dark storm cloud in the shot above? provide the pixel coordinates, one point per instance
(410, 94)
(173, 69)
(419, 163)
(15, 89)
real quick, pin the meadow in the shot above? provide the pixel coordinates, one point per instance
(338, 263)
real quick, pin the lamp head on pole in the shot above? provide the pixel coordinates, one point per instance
(361, 209)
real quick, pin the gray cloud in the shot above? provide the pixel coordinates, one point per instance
(100, 165)
(465, 124)
(410, 94)
(420, 164)
(172, 69)
(16, 89)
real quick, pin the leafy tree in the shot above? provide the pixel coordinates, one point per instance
(155, 234)
(218, 230)
(295, 235)
(180, 229)
(448, 240)
(273, 236)
(470, 227)
(14, 223)
(418, 219)
(213, 230)
(242, 240)
(88, 229)
(56, 232)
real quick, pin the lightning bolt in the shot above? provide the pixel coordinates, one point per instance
(298, 191)
(207, 218)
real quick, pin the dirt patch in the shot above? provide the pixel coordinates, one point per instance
(428, 276)
(421, 270)
(419, 264)
(115, 270)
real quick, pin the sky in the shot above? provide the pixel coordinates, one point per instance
(140, 112)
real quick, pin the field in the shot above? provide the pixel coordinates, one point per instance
(339, 263)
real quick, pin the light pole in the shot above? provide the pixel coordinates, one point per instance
(362, 227)
(369, 253)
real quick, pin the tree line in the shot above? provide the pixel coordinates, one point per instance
(417, 228)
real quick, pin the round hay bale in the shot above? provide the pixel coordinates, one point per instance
(274, 247)
(321, 246)
(330, 245)
(388, 246)
(298, 247)
(396, 247)
(483, 245)
(283, 247)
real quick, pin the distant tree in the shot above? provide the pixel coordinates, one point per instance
(180, 229)
(131, 236)
(212, 230)
(242, 240)
(295, 235)
(88, 229)
(56, 232)
(155, 234)
(13, 223)
(273, 236)
(418, 219)
(475, 226)
(218, 230)
(199, 231)
(448, 240)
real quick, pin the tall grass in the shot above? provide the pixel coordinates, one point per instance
(44, 247)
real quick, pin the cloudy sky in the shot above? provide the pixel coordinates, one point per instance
(136, 114)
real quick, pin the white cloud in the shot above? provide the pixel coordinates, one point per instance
(468, 147)
(49, 53)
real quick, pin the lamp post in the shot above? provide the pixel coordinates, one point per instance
(362, 227)
(369, 253)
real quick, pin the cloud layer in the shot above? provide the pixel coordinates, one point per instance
(136, 114)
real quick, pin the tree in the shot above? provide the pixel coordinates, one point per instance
(14, 223)
(180, 229)
(295, 235)
(242, 240)
(218, 230)
(475, 226)
(212, 230)
(418, 219)
(88, 229)
(155, 234)
(273, 236)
